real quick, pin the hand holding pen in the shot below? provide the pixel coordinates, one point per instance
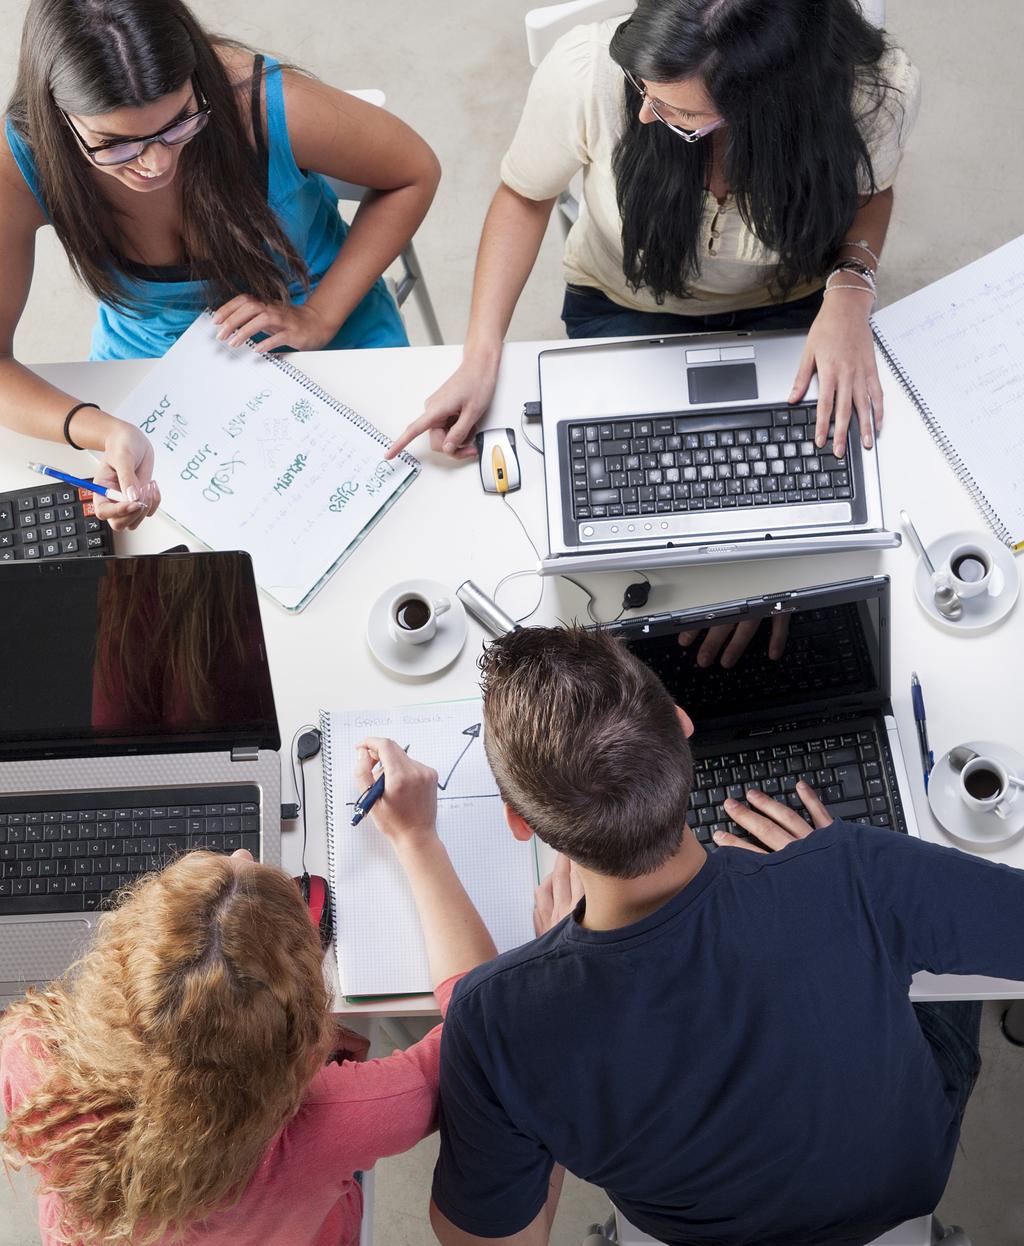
(405, 805)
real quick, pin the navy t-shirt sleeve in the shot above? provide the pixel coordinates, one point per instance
(941, 909)
(491, 1178)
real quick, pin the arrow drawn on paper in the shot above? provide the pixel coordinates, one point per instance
(474, 734)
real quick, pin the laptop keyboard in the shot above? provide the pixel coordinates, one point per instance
(51, 521)
(68, 853)
(850, 772)
(706, 461)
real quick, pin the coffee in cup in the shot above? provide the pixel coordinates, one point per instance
(985, 787)
(412, 617)
(970, 569)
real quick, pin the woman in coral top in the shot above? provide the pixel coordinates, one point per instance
(176, 1082)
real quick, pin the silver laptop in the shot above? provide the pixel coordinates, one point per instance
(137, 722)
(668, 451)
(804, 692)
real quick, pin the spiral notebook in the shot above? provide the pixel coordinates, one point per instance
(377, 932)
(251, 454)
(957, 346)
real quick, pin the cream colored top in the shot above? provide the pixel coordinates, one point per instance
(573, 119)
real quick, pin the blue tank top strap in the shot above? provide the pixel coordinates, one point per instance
(23, 159)
(285, 174)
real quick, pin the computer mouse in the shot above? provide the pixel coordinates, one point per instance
(499, 463)
(314, 891)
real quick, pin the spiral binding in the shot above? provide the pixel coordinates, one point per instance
(942, 440)
(327, 766)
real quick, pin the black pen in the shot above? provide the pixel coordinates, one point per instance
(927, 756)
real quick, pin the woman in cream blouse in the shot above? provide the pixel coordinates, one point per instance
(738, 158)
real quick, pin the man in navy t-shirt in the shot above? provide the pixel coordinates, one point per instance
(724, 1043)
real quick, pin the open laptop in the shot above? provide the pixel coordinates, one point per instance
(667, 451)
(819, 708)
(137, 722)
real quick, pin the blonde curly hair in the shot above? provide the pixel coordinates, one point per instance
(173, 1052)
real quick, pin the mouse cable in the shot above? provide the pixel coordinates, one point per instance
(526, 436)
(296, 779)
(517, 575)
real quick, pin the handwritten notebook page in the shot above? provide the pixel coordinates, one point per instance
(379, 940)
(251, 455)
(959, 344)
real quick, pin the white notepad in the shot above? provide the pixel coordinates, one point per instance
(250, 454)
(957, 346)
(379, 941)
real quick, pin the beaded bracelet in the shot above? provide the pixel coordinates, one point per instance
(862, 245)
(67, 423)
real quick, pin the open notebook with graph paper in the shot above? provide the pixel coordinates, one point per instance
(377, 932)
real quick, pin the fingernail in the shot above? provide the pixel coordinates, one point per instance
(819, 442)
(729, 804)
(449, 447)
(138, 506)
(131, 493)
(717, 835)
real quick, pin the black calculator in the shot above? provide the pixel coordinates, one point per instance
(51, 521)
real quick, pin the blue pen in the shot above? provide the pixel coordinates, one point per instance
(370, 797)
(927, 756)
(115, 495)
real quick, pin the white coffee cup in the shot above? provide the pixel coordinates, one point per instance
(412, 617)
(969, 567)
(985, 787)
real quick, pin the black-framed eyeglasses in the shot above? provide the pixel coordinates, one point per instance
(125, 150)
(688, 136)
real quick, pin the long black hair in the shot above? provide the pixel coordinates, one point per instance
(96, 56)
(783, 73)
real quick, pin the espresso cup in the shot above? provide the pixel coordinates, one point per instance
(969, 568)
(412, 617)
(985, 787)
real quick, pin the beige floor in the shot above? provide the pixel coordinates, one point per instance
(456, 70)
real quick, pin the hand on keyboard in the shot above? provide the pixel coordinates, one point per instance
(739, 636)
(770, 823)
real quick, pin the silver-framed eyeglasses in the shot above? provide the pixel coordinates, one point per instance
(658, 108)
(125, 150)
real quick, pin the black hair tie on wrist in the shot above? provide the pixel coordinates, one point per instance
(67, 423)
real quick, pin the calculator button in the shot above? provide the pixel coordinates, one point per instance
(51, 549)
(95, 542)
(50, 532)
(65, 512)
(7, 555)
(30, 536)
(65, 495)
(47, 516)
(26, 504)
(69, 545)
(68, 529)
(88, 508)
(30, 551)
(44, 499)
(28, 519)
(92, 525)
(6, 540)
(6, 516)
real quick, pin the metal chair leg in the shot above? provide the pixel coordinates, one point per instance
(412, 283)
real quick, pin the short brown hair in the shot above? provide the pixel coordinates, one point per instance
(586, 746)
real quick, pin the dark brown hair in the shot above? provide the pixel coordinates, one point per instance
(586, 746)
(95, 56)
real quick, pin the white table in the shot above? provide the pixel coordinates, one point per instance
(445, 528)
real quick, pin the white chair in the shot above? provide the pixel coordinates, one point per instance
(411, 280)
(545, 26)
(925, 1231)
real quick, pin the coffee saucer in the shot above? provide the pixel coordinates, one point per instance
(987, 609)
(967, 827)
(417, 661)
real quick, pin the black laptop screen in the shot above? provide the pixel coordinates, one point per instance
(117, 654)
(775, 664)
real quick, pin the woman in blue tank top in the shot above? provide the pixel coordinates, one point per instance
(181, 172)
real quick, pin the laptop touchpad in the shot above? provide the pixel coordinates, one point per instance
(731, 382)
(39, 951)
